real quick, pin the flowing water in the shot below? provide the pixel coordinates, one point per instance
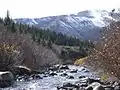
(51, 82)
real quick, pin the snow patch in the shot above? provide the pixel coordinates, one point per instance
(34, 21)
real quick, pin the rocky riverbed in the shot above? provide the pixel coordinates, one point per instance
(58, 77)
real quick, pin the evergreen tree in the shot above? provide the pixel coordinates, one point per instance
(20, 28)
(13, 29)
(7, 20)
(49, 44)
(1, 20)
(33, 37)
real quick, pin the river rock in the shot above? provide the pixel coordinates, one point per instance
(21, 70)
(95, 86)
(90, 80)
(99, 88)
(36, 76)
(70, 77)
(54, 68)
(64, 74)
(117, 88)
(64, 67)
(82, 77)
(68, 85)
(74, 71)
(6, 79)
(53, 74)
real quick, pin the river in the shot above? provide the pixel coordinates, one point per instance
(51, 82)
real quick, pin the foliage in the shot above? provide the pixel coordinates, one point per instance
(13, 29)
(80, 61)
(7, 20)
(7, 55)
(106, 55)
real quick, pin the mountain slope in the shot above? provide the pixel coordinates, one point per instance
(84, 25)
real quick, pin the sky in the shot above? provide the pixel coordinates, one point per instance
(43, 8)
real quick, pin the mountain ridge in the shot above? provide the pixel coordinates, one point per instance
(85, 25)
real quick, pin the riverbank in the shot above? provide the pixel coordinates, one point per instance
(60, 77)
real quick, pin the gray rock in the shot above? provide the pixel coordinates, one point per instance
(6, 79)
(70, 77)
(99, 88)
(36, 76)
(53, 74)
(64, 74)
(95, 86)
(64, 67)
(90, 88)
(21, 70)
(90, 80)
(108, 87)
(117, 88)
(82, 77)
(74, 71)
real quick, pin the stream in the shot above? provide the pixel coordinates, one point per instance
(51, 82)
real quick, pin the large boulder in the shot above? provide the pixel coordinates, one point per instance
(64, 67)
(6, 79)
(21, 70)
(95, 86)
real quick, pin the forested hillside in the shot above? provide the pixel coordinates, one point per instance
(37, 47)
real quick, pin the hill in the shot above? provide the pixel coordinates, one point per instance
(85, 25)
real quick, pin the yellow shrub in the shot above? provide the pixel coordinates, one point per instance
(80, 61)
(104, 77)
(7, 55)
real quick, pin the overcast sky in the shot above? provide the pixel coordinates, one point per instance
(42, 8)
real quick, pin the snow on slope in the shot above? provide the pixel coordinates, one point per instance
(85, 24)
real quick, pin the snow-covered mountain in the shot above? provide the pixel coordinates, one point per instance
(86, 24)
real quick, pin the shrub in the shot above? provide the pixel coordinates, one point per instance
(106, 55)
(7, 55)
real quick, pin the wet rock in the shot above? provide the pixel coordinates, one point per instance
(64, 67)
(86, 71)
(21, 70)
(89, 81)
(45, 75)
(95, 86)
(70, 77)
(117, 88)
(82, 77)
(22, 78)
(89, 88)
(54, 68)
(36, 76)
(83, 85)
(6, 79)
(74, 71)
(53, 74)
(99, 88)
(64, 74)
(70, 86)
(108, 87)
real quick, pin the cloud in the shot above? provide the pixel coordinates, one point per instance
(41, 8)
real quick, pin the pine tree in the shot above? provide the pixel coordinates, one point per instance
(49, 44)
(13, 29)
(1, 20)
(20, 28)
(33, 37)
(7, 20)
